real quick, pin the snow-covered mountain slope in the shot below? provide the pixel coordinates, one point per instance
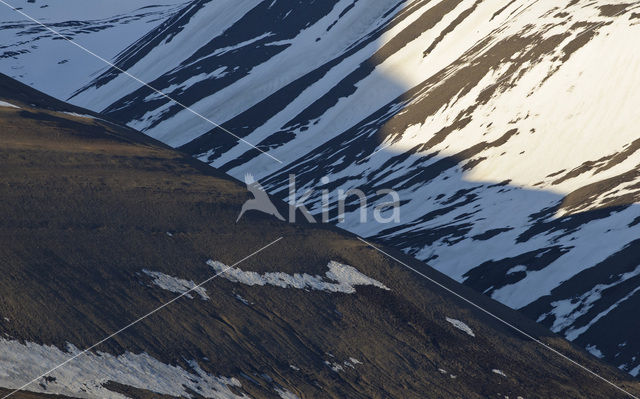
(509, 130)
(101, 225)
(39, 57)
(244, 52)
(517, 169)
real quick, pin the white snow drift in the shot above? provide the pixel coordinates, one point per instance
(461, 326)
(7, 105)
(177, 285)
(339, 278)
(85, 376)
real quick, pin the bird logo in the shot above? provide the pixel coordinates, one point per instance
(260, 202)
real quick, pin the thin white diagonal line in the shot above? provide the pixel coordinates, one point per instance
(501, 320)
(375, 152)
(139, 319)
(112, 65)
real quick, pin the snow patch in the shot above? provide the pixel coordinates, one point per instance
(351, 362)
(499, 372)
(341, 278)
(336, 367)
(242, 299)
(176, 285)
(85, 375)
(461, 326)
(5, 104)
(594, 351)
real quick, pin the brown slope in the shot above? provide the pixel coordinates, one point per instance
(86, 205)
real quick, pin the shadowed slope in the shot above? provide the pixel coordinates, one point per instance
(87, 206)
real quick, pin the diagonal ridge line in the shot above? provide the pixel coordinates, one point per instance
(138, 319)
(112, 65)
(501, 320)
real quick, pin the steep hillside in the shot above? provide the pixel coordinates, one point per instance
(101, 225)
(509, 130)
